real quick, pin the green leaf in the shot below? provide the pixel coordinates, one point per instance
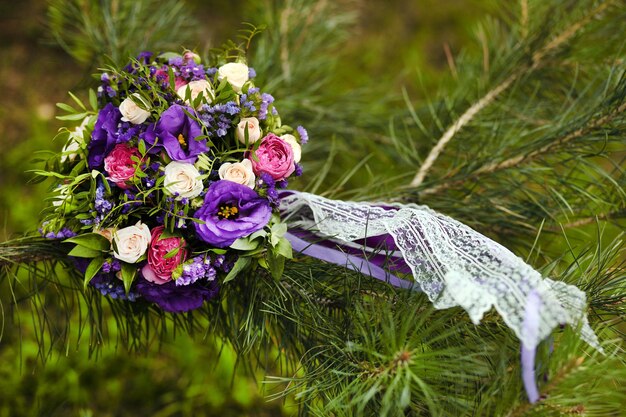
(78, 116)
(77, 100)
(245, 244)
(92, 269)
(166, 56)
(284, 248)
(166, 234)
(93, 241)
(276, 264)
(129, 271)
(171, 253)
(277, 232)
(83, 252)
(279, 229)
(93, 99)
(172, 78)
(241, 264)
(142, 147)
(67, 108)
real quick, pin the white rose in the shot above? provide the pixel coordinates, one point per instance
(182, 178)
(131, 242)
(254, 131)
(131, 112)
(239, 172)
(297, 149)
(196, 88)
(236, 74)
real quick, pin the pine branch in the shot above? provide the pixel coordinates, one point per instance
(458, 125)
(537, 60)
(30, 249)
(587, 128)
(614, 215)
(92, 30)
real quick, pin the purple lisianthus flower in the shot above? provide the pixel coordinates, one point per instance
(230, 211)
(176, 299)
(104, 135)
(176, 132)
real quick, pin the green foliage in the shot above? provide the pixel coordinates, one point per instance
(91, 30)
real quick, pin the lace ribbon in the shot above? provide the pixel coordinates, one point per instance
(451, 263)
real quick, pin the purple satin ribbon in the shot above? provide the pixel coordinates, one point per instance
(531, 329)
(346, 257)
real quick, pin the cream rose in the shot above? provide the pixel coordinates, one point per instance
(254, 131)
(131, 112)
(183, 179)
(235, 73)
(295, 146)
(239, 172)
(131, 242)
(196, 88)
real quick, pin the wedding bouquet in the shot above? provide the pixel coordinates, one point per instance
(170, 183)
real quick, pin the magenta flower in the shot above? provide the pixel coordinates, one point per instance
(159, 269)
(120, 165)
(274, 156)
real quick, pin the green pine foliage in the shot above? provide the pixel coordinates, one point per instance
(525, 143)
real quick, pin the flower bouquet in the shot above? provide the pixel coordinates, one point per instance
(170, 183)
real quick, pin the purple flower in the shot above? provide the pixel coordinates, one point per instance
(145, 57)
(304, 135)
(266, 100)
(176, 299)
(266, 180)
(176, 133)
(298, 171)
(230, 211)
(199, 268)
(104, 135)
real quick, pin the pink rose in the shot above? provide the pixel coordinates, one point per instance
(119, 164)
(159, 269)
(274, 156)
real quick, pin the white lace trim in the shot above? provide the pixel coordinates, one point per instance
(452, 263)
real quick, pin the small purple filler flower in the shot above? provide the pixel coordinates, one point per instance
(177, 133)
(230, 211)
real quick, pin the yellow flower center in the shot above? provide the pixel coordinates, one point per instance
(228, 212)
(181, 140)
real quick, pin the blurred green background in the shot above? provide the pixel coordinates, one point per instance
(392, 42)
